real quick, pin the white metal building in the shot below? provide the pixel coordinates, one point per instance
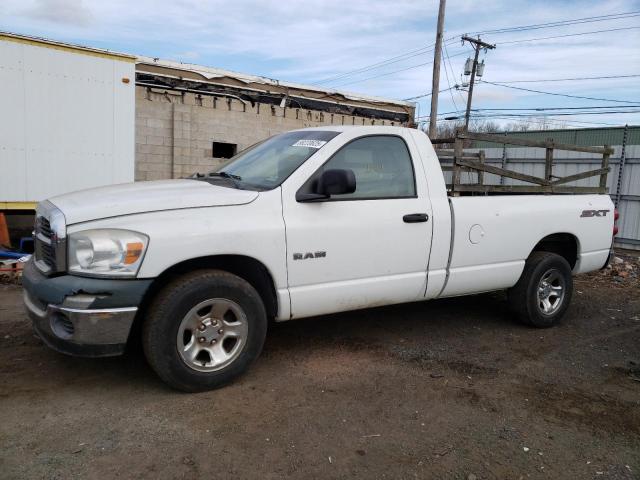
(67, 119)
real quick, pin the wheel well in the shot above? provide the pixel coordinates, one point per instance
(563, 244)
(244, 267)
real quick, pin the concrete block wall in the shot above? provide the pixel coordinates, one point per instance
(175, 131)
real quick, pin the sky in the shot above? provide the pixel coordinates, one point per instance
(322, 42)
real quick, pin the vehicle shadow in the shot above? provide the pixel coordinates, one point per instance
(440, 320)
(436, 318)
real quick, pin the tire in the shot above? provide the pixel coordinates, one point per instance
(545, 275)
(203, 330)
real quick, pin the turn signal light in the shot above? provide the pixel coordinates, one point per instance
(134, 250)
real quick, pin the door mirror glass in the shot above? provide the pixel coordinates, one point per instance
(336, 182)
(330, 182)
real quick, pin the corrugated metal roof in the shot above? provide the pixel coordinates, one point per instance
(209, 73)
(581, 136)
(212, 73)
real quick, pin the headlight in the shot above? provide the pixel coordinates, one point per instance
(108, 252)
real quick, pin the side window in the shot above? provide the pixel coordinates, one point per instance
(382, 166)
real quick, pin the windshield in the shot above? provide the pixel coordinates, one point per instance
(267, 164)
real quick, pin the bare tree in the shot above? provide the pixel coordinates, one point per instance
(448, 129)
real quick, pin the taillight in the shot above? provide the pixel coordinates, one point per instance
(616, 216)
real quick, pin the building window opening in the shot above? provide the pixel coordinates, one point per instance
(224, 150)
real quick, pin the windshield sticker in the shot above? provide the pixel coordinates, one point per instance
(309, 143)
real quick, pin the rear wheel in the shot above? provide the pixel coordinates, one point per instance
(543, 293)
(203, 330)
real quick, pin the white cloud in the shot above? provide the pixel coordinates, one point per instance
(61, 12)
(495, 96)
(311, 40)
(190, 55)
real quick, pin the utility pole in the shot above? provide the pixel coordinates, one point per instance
(477, 45)
(435, 81)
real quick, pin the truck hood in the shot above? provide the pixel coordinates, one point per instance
(142, 197)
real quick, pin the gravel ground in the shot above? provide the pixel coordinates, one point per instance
(446, 389)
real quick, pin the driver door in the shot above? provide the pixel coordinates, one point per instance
(363, 249)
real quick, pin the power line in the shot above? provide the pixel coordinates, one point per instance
(559, 94)
(563, 120)
(564, 114)
(539, 112)
(383, 63)
(446, 51)
(382, 75)
(507, 117)
(533, 120)
(567, 79)
(544, 109)
(543, 114)
(392, 72)
(376, 65)
(446, 74)
(546, 118)
(561, 23)
(566, 35)
(502, 83)
(424, 95)
(451, 40)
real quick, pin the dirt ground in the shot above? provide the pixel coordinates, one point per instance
(446, 389)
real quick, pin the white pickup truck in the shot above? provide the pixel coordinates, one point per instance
(305, 223)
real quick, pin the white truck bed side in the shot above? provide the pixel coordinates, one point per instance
(493, 236)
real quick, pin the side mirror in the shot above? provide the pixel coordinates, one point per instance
(336, 182)
(331, 182)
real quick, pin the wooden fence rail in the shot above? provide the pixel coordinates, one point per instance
(475, 162)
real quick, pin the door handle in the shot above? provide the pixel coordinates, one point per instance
(415, 217)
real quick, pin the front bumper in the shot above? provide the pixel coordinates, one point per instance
(82, 316)
(87, 333)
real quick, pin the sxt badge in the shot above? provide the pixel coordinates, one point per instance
(594, 213)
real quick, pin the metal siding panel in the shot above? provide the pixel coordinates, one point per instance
(633, 136)
(493, 153)
(581, 136)
(612, 178)
(70, 121)
(633, 150)
(631, 179)
(629, 222)
(124, 123)
(45, 123)
(12, 124)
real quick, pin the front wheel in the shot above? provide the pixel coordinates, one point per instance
(543, 292)
(203, 330)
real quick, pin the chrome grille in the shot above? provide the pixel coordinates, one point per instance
(48, 254)
(44, 226)
(50, 239)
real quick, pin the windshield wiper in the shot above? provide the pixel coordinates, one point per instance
(226, 175)
(235, 179)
